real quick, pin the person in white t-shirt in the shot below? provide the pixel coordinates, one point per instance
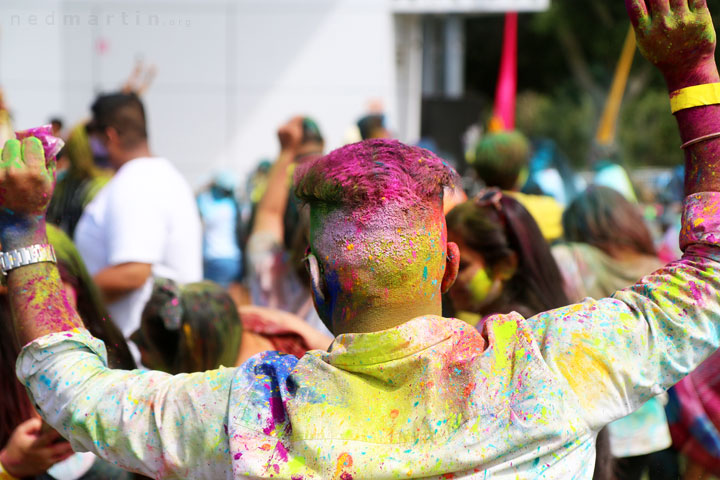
(144, 223)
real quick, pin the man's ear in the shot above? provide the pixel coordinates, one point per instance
(320, 294)
(316, 280)
(452, 265)
(112, 135)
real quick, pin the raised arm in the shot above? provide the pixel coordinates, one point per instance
(36, 297)
(618, 352)
(678, 37)
(148, 422)
(271, 210)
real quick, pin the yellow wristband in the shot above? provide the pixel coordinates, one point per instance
(695, 96)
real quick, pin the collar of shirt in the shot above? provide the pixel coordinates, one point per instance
(367, 349)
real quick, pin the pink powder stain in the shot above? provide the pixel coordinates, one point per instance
(347, 284)
(282, 452)
(697, 294)
(269, 427)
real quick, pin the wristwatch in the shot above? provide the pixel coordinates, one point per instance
(26, 256)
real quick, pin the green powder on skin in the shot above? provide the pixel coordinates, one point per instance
(480, 285)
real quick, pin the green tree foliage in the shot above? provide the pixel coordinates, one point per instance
(567, 59)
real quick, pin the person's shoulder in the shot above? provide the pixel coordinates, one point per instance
(575, 250)
(270, 363)
(152, 175)
(544, 201)
(145, 167)
(270, 369)
(505, 329)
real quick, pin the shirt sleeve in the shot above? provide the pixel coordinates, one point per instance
(136, 221)
(618, 352)
(159, 425)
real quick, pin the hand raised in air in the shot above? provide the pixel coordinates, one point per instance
(678, 37)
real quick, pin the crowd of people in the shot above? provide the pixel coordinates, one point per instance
(362, 313)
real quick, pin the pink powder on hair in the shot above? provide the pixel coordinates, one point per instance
(371, 173)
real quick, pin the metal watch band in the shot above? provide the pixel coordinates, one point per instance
(26, 256)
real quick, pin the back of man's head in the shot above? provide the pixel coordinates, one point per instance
(123, 112)
(372, 126)
(377, 225)
(500, 158)
(368, 175)
(311, 132)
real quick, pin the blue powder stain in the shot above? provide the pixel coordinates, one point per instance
(425, 273)
(45, 380)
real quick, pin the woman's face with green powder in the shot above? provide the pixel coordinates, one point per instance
(475, 284)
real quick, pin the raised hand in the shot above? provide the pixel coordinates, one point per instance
(678, 37)
(290, 134)
(30, 452)
(26, 180)
(26, 187)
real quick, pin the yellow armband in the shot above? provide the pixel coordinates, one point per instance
(695, 96)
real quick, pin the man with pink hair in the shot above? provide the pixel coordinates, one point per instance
(402, 392)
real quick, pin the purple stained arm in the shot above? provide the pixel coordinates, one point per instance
(679, 38)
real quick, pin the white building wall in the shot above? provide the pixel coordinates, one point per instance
(229, 71)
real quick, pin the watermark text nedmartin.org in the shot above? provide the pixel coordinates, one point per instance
(116, 19)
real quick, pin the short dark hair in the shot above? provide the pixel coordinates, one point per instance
(498, 158)
(369, 124)
(122, 111)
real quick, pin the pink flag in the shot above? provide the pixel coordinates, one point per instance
(504, 113)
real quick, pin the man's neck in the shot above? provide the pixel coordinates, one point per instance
(131, 154)
(375, 318)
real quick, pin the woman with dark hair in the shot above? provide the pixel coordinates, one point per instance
(188, 329)
(505, 263)
(197, 327)
(623, 250)
(610, 247)
(506, 266)
(27, 450)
